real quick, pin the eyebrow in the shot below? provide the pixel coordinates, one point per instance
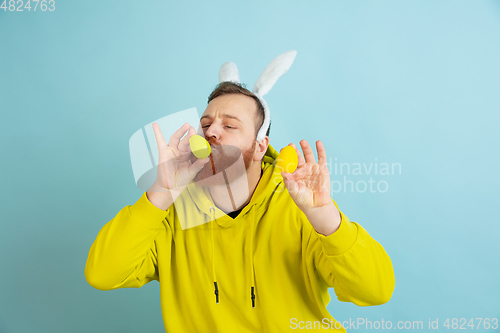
(225, 115)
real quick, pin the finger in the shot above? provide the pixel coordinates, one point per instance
(323, 166)
(184, 143)
(321, 152)
(194, 168)
(160, 141)
(299, 155)
(176, 137)
(308, 153)
(290, 183)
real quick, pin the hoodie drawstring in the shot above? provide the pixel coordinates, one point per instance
(251, 258)
(212, 209)
(252, 269)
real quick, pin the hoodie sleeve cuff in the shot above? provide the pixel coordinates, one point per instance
(146, 214)
(342, 239)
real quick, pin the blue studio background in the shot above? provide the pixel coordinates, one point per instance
(410, 83)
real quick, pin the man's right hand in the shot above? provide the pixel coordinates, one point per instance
(175, 170)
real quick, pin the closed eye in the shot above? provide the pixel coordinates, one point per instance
(230, 127)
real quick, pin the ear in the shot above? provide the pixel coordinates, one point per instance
(229, 72)
(260, 148)
(277, 67)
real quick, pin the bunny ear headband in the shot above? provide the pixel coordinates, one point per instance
(279, 66)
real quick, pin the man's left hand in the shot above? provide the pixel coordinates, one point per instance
(309, 187)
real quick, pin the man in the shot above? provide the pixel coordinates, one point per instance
(258, 263)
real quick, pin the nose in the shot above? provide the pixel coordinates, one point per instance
(212, 133)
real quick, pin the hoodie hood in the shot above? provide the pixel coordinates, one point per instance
(268, 183)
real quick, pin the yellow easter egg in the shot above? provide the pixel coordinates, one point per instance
(287, 160)
(199, 146)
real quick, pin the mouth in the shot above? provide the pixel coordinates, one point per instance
(222, 158)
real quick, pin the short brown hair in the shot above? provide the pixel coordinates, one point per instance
(229, 87)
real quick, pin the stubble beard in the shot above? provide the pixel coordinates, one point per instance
(225, 165)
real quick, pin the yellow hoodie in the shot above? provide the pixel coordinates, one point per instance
(267, 270)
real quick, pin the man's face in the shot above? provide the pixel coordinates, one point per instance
(230, 120)
(228, 124)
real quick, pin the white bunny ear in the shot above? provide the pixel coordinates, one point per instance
(273, 71)
(229, 72)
